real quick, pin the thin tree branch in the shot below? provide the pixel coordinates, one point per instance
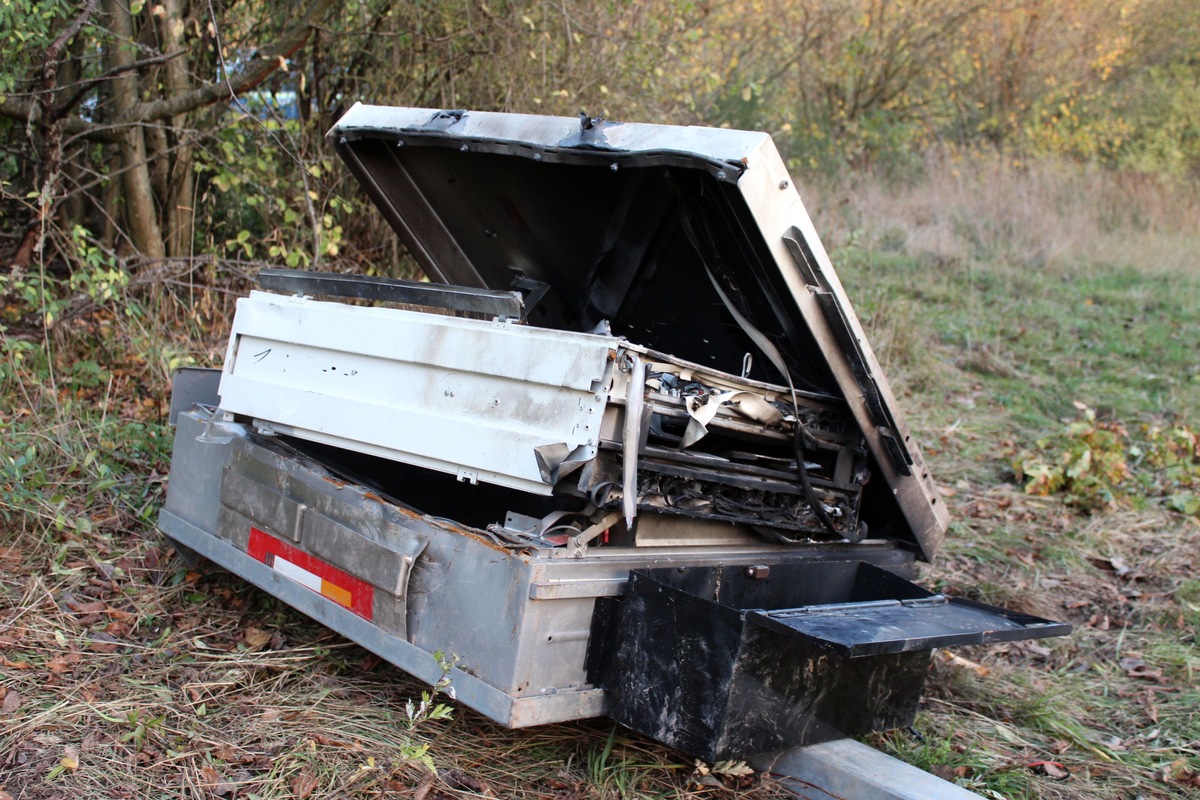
(83, 87)
(268, 60)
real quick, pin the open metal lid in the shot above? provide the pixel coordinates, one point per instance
(691, 241)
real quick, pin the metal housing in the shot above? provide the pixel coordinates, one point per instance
(645, 367)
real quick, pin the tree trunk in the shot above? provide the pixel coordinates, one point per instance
(141, 213)
(181, 216)
(51, 129)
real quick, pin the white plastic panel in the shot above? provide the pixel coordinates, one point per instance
(468, 397)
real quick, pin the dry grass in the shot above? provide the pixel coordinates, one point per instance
(1030, 213)
(134, 677)
(997, 297)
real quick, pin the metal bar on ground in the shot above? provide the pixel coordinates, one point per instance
(845, 769)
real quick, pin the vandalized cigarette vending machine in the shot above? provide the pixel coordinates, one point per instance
(626, 453)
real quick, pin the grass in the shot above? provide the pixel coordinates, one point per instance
(991, 341)
(997, 297)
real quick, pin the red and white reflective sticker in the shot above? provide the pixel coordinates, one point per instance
(312, 573)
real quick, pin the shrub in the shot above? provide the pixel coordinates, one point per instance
(1097, 464)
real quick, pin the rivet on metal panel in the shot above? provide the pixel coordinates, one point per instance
(464, 148)
(720, 174)
(783, 184)
(537, 156)
(758, 572)
(613, 166)
(399, 144)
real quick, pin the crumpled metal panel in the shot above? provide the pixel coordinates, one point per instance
(472, 398)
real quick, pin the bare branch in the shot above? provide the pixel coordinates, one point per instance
(24, 110)
(83, 87)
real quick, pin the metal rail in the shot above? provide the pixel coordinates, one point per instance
(494, 303)
(845, 769)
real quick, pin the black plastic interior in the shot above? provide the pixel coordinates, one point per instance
(629, 245)
(592, 235)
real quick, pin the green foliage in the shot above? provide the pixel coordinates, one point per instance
(1157, 125)
(1086, 462)
(97, 274)
(1168, 465)
(30, 25)
(873, 82)
(59, 477)
(274, 200)
(1095, 464)
(417, 714)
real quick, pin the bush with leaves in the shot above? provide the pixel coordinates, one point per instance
(1097, 465)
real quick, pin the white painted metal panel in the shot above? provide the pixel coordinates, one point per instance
(468, 397)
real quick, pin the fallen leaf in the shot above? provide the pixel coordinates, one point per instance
(102, 642)
(11, 702)
(70, 759)
(256, 638)
(58, 665)
(1052, 769)
(10, 555)
(1115, 564)
(1037, 649)
(304, 783)
(959, 661)
(424, 786)
(214, 782)
(94, 607)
